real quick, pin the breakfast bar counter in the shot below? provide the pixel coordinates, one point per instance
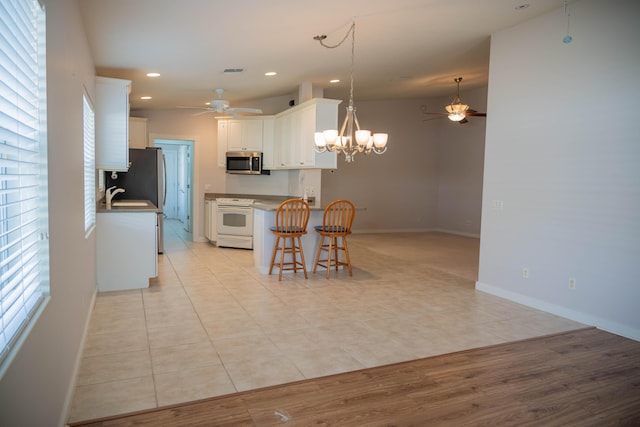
(264, 217)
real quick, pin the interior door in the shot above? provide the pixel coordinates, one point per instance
(179, 204)
(171, 205)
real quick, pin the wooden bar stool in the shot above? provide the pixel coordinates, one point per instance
(336, 223)
(292, 217)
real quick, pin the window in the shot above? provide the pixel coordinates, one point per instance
(88, 119)
(24, 248)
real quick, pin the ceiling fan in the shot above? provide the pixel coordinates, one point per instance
(457, 111)
(222, 106)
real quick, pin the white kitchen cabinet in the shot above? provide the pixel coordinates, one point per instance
(239, 135)
(210, 214)
(283, 141)
(294, 135)
(223, 126)
(244, 134)
(127, 249)
(267, 143)
(138, 136)
(112, 124)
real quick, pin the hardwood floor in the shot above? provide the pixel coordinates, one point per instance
(585, 377)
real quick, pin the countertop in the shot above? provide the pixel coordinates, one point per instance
(101, 207)
(272, 206)
(261, 201)
(265, 202)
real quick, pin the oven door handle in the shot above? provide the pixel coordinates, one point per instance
(228, 208)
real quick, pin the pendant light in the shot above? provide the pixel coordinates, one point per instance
(351, 140)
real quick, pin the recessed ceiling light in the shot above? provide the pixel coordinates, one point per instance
(153, 74)
(145, 97)
(334, 81)
(270, 73)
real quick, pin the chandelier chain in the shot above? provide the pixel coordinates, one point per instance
(352, 31)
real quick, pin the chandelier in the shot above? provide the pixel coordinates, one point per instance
(351, 140)
(457, 110)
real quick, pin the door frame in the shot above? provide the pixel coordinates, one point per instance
(190, 142)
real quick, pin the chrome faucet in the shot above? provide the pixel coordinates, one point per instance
(109, 194)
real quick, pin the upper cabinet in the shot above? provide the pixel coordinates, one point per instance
(285, 140)
(242, 134)
(138, 135)
(294, 130)
(246, 134)
(112, 124)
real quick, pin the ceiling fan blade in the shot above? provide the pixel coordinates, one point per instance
(463, 121)
(438, 113)
(186, 106)
(207, 111)
(433, 118)
(244, 110)
(475, 113)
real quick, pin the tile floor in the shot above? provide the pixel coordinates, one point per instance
(211, 325)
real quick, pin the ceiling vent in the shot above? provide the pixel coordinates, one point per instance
(233, 70)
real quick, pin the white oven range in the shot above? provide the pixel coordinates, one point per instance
(235, 222)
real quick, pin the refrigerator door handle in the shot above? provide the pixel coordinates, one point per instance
(164, 180)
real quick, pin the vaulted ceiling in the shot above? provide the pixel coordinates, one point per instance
(403, 48)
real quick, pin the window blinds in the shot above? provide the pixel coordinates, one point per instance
(89, 166)
(24, 257)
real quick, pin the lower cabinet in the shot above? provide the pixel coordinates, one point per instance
(210, 213)
(127, 250)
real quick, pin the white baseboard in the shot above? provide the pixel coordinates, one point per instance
(587, 319)
(68, 401)
(415, 230)
(458, 233)
(389, 230)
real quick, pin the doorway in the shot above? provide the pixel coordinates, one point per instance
(178, 156)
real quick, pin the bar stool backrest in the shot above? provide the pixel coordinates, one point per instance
(338, 217)
(292, 216)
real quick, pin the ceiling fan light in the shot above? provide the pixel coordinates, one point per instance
(457, 108)
(456, 111)
(456, 117)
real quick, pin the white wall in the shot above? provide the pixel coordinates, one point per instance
(430, 178)
(460, 167)
(36, 389)
(562, 154)
(397, 188)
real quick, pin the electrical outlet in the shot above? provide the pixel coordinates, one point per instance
(525, 273)
(572, 283)
(311, 191)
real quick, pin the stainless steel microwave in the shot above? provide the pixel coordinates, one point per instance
(244, 162)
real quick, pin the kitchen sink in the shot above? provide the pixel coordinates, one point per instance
(123, 203)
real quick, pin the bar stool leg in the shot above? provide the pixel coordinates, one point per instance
(346, 254)
(304, 265)
(282, 254)
(273, 255)
(315, 264)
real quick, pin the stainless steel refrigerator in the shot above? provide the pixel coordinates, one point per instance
(145, 180)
